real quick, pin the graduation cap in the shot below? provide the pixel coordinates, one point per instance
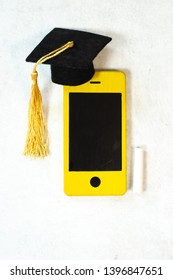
(70, 54)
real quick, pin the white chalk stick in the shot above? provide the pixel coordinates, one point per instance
(138, 170)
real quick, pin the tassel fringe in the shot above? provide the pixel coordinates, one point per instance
(37, 135)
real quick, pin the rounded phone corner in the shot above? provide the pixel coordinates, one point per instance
(122, 74)
(123, 192)
(66, 192)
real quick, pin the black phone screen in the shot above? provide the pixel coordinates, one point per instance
(95, 132)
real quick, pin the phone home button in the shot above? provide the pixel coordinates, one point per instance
(95, 182)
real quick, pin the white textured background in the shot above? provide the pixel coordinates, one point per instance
(37, 220)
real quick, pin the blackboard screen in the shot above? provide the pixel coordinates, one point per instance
(95, 132)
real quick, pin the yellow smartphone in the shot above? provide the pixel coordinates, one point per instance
(95, 136)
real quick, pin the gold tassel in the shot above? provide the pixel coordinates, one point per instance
(37, 137)
(37, 141)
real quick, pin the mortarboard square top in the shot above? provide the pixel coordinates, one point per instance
(74, 66)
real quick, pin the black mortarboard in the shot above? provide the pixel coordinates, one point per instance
(74, 66)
